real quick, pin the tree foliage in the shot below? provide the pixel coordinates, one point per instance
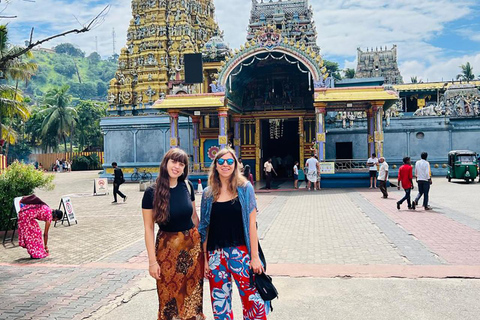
(333, 69)
(19, 180)
(88, 131)
(467, 72)
(69, 49)
(349, 73)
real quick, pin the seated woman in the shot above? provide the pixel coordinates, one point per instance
(33, 208)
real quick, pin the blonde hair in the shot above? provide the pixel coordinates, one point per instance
(235, 180)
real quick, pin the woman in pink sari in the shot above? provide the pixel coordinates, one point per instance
(32, 209)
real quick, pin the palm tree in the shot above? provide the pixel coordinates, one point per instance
(467, 73)
(349, 73)
(11, 101)
(414, 79)
(59, 116)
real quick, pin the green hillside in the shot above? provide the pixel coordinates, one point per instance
(88, 77)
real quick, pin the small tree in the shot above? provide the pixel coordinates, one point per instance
(349, 73)
(20, 180)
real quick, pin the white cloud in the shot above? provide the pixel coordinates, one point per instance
(442, 70)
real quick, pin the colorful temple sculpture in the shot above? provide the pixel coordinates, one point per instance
(270, 98)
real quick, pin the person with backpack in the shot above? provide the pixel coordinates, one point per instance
(118, 179)
(175, 255)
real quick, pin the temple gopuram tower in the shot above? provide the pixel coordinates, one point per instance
(151, 65)
(293, 18)
(379, 63)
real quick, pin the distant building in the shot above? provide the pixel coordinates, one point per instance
(379, 63)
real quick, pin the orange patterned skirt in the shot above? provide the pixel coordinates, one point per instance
(180, 288)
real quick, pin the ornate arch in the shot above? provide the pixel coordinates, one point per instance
(273, 45)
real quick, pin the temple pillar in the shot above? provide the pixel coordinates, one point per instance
(258, 164)
(320, 112)
(371, 129)
(236, 134)
(222, 127)
(378, 105)
(174, 143)
(302, 141)
(196, 142)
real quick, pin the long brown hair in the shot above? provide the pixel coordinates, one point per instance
(236, 179)
(161, 199)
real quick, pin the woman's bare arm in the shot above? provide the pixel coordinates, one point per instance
(255, 263)
(149, 225)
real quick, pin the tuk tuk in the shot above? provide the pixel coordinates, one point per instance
(462, 164)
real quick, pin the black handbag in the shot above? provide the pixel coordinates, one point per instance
(264, 285)
(263, 282)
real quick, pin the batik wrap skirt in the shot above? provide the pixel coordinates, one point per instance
(180, 288)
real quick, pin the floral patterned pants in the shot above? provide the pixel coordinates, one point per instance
(224, 264)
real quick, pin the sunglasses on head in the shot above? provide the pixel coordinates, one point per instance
(222, 161)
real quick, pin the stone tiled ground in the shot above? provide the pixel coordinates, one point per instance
(103, 257)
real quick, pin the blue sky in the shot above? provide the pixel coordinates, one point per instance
(434, 37)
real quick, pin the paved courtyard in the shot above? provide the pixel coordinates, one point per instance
(334, 254)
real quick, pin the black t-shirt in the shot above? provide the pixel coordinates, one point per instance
(226, 225)
(181, 207)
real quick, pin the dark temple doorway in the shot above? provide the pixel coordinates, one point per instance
(280, 142)
(344, 150)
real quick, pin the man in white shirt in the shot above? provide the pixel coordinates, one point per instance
(268, 168)
(383, 176)
(372, 163)
(424, 180)
(312, 167)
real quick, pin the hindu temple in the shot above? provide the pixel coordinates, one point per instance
(270, 98)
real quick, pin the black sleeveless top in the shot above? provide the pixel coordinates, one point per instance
(226, 225)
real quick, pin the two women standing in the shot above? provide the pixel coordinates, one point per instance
(228, 235)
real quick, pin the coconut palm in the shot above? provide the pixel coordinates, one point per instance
(467, 73)
(11, 100)
(59, 116)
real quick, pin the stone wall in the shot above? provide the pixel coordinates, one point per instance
(142, 141)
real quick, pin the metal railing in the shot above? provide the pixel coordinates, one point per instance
(203, 168)
(349, 165)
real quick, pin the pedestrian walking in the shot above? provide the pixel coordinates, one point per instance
(175, 257)
(424, 180)
(268, 168)
(372, 165)
(295, 175)
(229, 237)
(405, 180)
(312, 166)
(30, 237)
(118, 179)
(383, 176)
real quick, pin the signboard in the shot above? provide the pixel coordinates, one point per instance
(327, 168)
(68, 212)
(100, 186)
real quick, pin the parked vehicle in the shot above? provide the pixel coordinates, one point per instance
(462, 164)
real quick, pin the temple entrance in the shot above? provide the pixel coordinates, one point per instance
(281, 143)
(344, 150)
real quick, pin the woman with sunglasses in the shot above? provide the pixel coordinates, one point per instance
(175, 258)
(229, 238)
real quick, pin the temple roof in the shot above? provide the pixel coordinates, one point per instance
(352, 94)
(430, 85)
(191, 101)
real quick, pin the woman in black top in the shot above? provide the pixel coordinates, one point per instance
(175, 259)
(230, 240)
